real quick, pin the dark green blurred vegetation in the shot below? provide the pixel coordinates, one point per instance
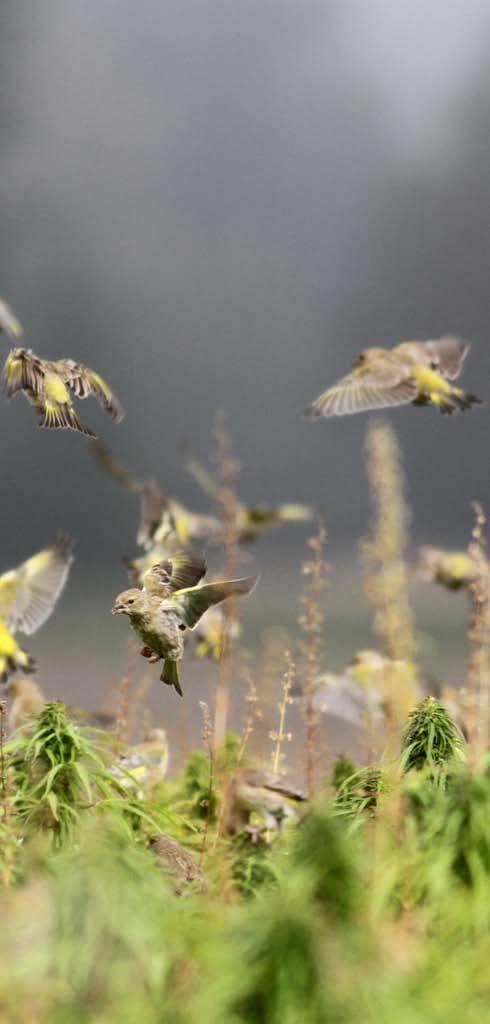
(372, 906)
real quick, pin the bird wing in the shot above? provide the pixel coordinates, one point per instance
(192, 602)
(29, 593)
(84, 382)
(181, 572)
(23, 371)
(449, 354)
(9, 322)
(376, 386)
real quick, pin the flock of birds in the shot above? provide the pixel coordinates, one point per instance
(169, 598)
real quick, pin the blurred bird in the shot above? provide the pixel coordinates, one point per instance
(170, 602)
(373, 669)
(262, 793)
(49, 384)
(9, 322)
(454, 570)
(208, 634)
(28, 699)
(181, 867)
(165, 524)
(144, 764)
(28, 595)
(345, 698)
(250, 521)
(415, 371)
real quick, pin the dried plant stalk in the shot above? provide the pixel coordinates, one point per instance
(311, 621)
(281, 736)
(207, 738)
(229, 468)
(252, 716)
(478, 691)
(385, 568)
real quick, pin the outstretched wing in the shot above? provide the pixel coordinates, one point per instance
(9, 322)
(376, 387)
(182, 571)
(29, 593)
(193, 602)
(23, 371)
(84, 382)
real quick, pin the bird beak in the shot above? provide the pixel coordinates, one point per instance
(116, 610)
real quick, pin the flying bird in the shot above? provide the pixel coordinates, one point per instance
(170, 602)
(28, 595)
(9, 322)
(455, 570)
(417, 372)
(248, 521)
(49, 385)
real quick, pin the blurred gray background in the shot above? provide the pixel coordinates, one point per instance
(216, 204)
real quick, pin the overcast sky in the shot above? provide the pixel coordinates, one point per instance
(217, 204)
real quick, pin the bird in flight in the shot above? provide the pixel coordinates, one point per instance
(172, 600)
(49, 385)
(417, 372)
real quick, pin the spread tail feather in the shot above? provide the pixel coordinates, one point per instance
(171, 675)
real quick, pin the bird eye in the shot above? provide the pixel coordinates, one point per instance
(434, 364)
(130, 600)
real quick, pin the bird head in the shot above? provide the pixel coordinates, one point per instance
(129, 602)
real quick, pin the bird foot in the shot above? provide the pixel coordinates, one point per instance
(147, 652)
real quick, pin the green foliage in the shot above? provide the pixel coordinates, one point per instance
(431, 737)
(326, 852)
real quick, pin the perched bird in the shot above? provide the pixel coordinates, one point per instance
(454, 570)
(179, 865)
(49, 385)
(144, 764)
(249, 521)
(9, 322)
(415, 371)
(28, 595)
(264, 794)
(171, 602)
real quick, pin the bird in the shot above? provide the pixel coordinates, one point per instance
(247, 522)
(28, 595)
(49, 385)
(28, 699)
(8, 321)
(143, 764)
(166, 525)
(262, 793)
(455, 570)
(170, 602)
(345, 698)
(179, 865)
(417, 372)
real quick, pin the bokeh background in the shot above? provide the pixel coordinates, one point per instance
(216, 205)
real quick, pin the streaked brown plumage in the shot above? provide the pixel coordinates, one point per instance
(181, 868)
(49, 385)
(416, 372)
(162, 611)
